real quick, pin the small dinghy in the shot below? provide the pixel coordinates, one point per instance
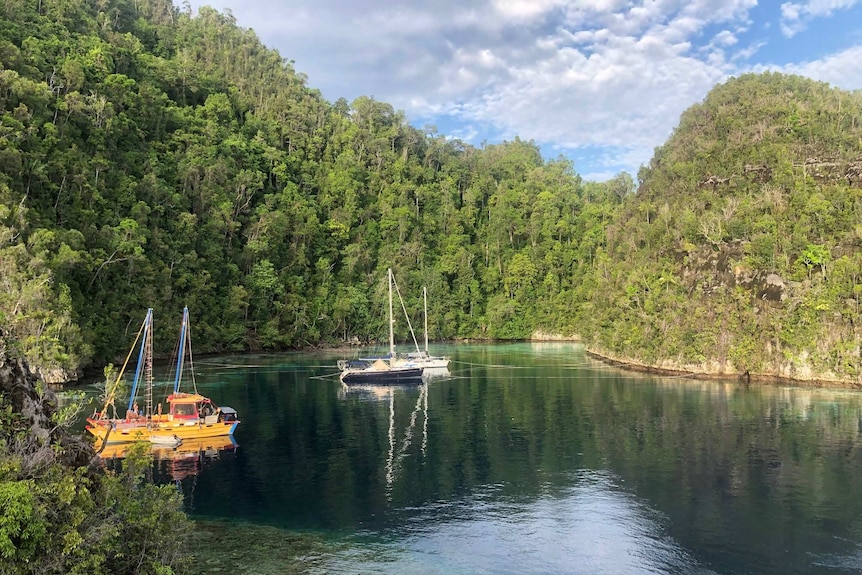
(165, 440)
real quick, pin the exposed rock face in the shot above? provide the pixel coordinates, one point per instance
(18, 386)
(539, 335)
(714, 269)
(56, 375)
(758, 172)
(799, 370)
(833, 170)
(853, 174)
(775, 288)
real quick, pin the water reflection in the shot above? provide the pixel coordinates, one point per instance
(185, 460)
(435, 373)
(591, 526)
(536, 459)
(400, 443)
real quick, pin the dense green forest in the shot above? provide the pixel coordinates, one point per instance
(152, 157)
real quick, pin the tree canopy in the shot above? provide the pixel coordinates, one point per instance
(152, 157)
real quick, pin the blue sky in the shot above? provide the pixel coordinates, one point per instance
(602, 82)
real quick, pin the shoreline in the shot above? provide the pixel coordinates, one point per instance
(629, 364)
(745, 377)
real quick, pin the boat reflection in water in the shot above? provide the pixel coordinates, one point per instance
(180, 461)
(431, 373)
(396, 452)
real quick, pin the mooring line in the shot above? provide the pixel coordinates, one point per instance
(494, 365)
(325, 375)
(254, 366)
(491, 365)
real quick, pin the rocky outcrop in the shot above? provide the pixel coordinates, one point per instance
(833, 170)
(55, 375)
(540, 335)
(853, 173)
(34, 406)
(714, 269)
(790, 371)
(760, 173)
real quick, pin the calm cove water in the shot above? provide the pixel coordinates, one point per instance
(532, 458)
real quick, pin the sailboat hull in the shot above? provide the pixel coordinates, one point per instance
(394, 376)
(120, 431)
(423, 361)
(187, 449)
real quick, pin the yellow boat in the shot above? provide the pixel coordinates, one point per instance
(190, 415)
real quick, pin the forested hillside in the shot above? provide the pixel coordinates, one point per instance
(741, 250)
(150, 157)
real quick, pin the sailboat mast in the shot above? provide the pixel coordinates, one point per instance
(182, 350)
(148, 376)
(147, 328)
(425, 305)
(391, 320)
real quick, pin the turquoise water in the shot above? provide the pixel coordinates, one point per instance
(532, 458)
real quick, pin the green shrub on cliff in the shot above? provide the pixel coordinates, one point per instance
(63, 513)
(751, 210)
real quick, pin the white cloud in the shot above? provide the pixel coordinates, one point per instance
(570, 74)
(606, 86)
(607, 162)
(748, 51)
(599, 176)
(724, 38)
(628, 94)
(841, 69)
(720, 11)
(526, 8)
(796, 15)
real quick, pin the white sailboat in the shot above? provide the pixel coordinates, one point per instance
(390, 370)
(422, 357)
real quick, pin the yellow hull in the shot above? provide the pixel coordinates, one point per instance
(127, 432)
(206, 446)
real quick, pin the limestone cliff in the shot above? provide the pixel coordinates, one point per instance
(741, 251)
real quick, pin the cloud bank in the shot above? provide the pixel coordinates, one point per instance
(602, 81)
